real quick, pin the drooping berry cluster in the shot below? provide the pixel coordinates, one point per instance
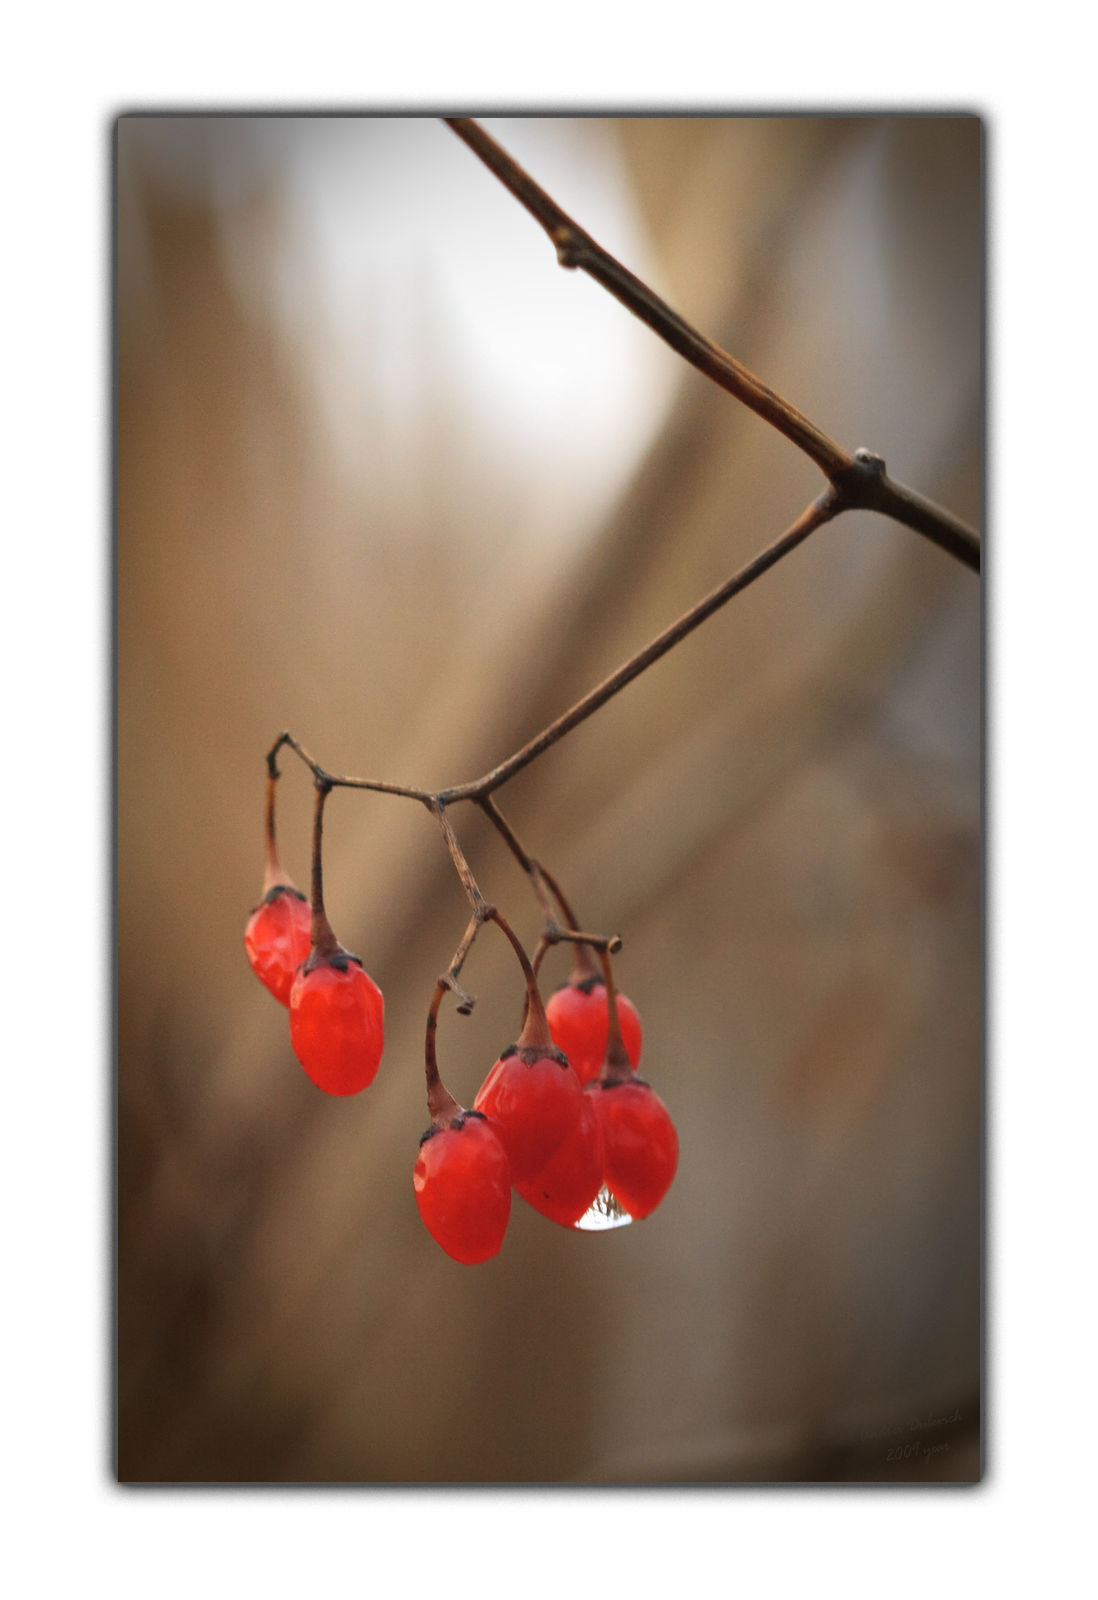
(562, 1118)
(586, 1155)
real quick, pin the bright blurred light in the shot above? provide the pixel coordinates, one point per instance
(420, 298)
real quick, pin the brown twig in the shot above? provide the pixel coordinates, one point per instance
(859, 479)
(548, 890)
(819, 512)
(335, 781)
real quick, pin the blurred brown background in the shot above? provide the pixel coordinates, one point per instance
(389, 478)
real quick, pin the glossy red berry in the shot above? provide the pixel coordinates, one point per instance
(336, 1023)
(639, 1143)
(462, 1181)
(578, 1021)
(277, 938)
(568, 1183)
(533, 1099)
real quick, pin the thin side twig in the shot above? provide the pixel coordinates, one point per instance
(814, 516)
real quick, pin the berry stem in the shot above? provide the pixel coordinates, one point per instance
(273, 875)
(584, 967)
(324, 941)
(441, 1105)
(535, 1024)
(617, 1068)
(547, 890)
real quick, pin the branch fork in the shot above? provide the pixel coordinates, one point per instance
(855, 482)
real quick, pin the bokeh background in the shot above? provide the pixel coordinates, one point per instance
(388, 478)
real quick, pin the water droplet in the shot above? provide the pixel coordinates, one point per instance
(603, 1212)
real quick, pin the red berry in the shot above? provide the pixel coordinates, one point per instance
(533, 1099)
(639, 1142)
(277, 938)
(578, 1021)
(462, 1181)
(568, 1183)
(336, 1024)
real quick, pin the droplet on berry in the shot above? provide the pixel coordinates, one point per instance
(603, 1212)
(639, 1142)
(578, 1021)
(462, 1181)
(277, 938)
(337, 1023)
(567, 1185)
(533, 1099)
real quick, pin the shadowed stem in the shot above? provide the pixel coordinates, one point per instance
(324, 941)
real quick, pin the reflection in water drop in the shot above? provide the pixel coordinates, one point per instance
(603, 1212)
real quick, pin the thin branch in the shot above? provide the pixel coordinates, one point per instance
(576, 248)
(546, 888)
(334, 781)
(815, 515)
(859, 489)
(480, 906)
(449, 979)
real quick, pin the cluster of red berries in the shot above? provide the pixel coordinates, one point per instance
(336, 1009)
(579, 1136)
(562, 1118)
